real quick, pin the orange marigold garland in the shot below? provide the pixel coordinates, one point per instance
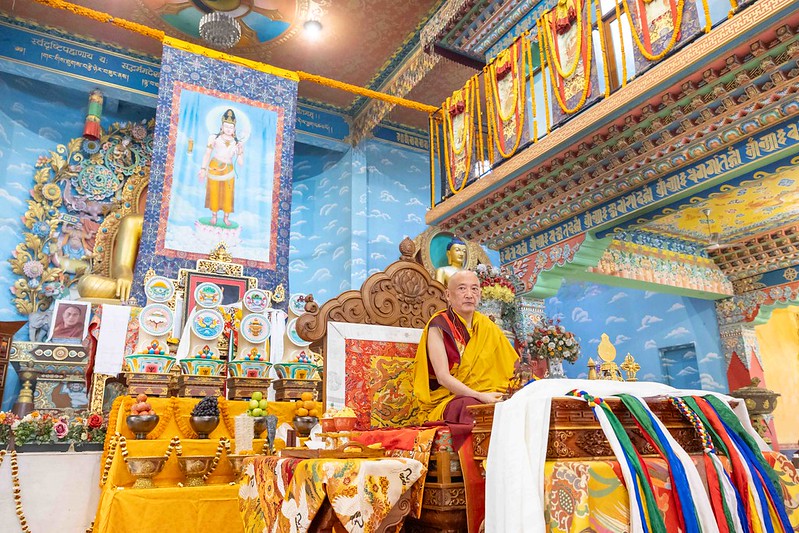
(674, 36)
(550, 54)
(506, 64)
(460, 103)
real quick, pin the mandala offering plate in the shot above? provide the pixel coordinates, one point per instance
(149, 363)
(156, 319)
(208, 323)
(296, 370)
(208, 295)
(294, 337)
(297, 304)
(159, 289)
(255, 301)
(255, 328)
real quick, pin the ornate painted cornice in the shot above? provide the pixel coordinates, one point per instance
(653, 240)
(760, 254)
(648, 264)
(509, 204)
(416, 67)
(444, 19)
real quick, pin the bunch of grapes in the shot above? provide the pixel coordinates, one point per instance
(208, 406)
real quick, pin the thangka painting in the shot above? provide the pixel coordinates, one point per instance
(370, 369)
(221, 172)
(571, 59)
(655, 22)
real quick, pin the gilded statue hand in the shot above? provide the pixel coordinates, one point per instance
(123, 289)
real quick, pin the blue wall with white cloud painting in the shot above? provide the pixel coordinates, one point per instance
(350, 210)
(642, 323)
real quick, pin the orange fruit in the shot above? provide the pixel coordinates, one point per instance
(302, 411)
(314, 412)
(309, 405)
(307, 396)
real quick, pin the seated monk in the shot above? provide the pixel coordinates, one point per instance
(463, 359)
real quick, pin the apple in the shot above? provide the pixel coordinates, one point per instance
(257, 412)
(253, 404)
(263, 404)
(257, 395)
(141, 398)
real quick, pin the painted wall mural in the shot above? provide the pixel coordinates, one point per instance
(643, 323)
(350, 211)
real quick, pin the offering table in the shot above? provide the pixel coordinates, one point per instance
(213, 507)
(584, 488)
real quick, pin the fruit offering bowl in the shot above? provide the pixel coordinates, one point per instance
(203, 425)
(141, 425)
(194, 467)
(304, 425)
(144, 469)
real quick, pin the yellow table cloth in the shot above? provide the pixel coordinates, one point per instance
(168, 507)
(169, 510)
(284, 494)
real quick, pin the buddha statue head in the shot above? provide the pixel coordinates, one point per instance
(456, 253)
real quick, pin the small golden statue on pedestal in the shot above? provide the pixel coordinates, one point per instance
(608, 369)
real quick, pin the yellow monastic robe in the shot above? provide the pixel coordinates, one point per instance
(487, 364)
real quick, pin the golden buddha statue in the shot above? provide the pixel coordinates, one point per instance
(456, 257)
(118, 284)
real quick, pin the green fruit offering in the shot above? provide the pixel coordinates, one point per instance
(263, 404)
(257, 395)
(257, 412)
(253, 404)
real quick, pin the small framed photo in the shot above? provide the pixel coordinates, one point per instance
(70, 322)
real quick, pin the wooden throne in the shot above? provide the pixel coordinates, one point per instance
(406, 296)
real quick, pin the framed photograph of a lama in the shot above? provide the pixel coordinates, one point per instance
(70, 322)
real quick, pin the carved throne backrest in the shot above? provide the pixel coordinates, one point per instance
(403, 295)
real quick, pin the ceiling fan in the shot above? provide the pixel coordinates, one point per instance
(715, 243)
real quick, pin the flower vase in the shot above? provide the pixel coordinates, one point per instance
(556, 368)
(493, 310)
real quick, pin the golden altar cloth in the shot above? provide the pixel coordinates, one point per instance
(169, 507)
(174, 509)
(367, 495)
